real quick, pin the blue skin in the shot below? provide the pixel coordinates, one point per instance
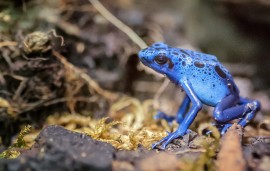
(205, 81)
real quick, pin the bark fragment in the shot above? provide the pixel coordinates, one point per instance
(231, 156)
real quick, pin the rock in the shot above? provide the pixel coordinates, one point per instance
(59, 149)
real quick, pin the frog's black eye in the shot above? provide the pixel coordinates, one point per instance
(161, 59)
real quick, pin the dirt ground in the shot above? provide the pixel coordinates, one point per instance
(74, 95)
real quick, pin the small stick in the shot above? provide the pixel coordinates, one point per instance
(119, 24)
(8, 43)
(90, 82)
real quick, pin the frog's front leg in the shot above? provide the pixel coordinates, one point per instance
(180, 113)
(182, 109)
(188, 119)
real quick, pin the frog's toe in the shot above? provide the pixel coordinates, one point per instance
(159, 115)
(169, 139)
(155, 145)
(163, 146)
(162, 143)
(188, 131)
(165, 141)
(209, 132)
(158, 143)
(225, 128)
(162, 115)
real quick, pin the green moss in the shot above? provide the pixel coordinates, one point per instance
(11, 152)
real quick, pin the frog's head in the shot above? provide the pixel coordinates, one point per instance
(159, 57)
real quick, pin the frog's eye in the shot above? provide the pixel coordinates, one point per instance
(161, 60)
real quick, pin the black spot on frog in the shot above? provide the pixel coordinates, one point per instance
(220, 72)
(199, 64)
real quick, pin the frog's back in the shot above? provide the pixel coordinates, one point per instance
(210, 80)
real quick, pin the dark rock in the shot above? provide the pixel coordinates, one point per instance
(257, 150)
(256, 153)
(59, 149)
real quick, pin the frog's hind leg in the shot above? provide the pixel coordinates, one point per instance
(232, 107)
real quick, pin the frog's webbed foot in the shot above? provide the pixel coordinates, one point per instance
(225, 128)
(160, 142)
(165, 141)
(162, 115)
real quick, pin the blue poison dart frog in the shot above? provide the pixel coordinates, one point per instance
(205, 81)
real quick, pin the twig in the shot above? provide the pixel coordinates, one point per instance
(53, 32)
(19, 89)
(81, 99)
(119, 24)
(90, 82)
(8, 43)
(31, 106)
(8, 60)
